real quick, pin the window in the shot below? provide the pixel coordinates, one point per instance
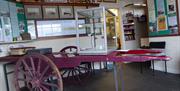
(47, 28)
(31, 28)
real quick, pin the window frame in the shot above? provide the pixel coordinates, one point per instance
(53, 37)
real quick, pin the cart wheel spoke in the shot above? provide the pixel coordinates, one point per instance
(32, 64)
(27, 68)
(44, 72)
(47, 77)
(50, 84)
(45, 88)
(23, 79)
(39, 66)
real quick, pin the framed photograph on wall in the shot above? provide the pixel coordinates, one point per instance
(79, 8)
(111, 1)
(66, 12)
(171, 6)
(91, 7)
(99, 0)
(55, 1)
(33, 11)
(30, 0)
(50, 12)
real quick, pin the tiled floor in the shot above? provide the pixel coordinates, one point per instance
(134, 81)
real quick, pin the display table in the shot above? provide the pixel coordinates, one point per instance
(115, 57)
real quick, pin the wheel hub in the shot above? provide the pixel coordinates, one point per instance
(35, 82)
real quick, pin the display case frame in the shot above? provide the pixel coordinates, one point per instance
(103, 41)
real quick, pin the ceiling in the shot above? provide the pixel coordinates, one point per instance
(126, 2)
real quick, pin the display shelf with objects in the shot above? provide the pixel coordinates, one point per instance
(129, 27)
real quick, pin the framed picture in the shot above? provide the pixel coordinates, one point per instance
(162, 23)
(112, 1)
(171, 6)
(50, 12)
(160, 7)
(66, 12)
(92, 7)
(76, 1)
(55, 1)
(79, 8)
(33, 11)
(99, 0)
(30, 0)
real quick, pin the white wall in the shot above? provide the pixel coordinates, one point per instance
(172, 50)
(55, 44)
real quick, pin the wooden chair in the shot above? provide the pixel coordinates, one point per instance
(75, 69)
(160, 45)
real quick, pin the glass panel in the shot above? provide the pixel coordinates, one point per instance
(99, 32)
(111, 30)
(31, 28)
(58, 27)
(94, 27)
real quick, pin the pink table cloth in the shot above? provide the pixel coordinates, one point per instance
(116, 56)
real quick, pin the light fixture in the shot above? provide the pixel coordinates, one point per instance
(143, 4)
(135, 4)
(138, 4)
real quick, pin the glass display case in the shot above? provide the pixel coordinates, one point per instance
(100, 31)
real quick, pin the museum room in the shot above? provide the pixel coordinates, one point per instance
(89, 45)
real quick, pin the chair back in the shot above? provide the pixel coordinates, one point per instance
(69, 49)
(159, 45)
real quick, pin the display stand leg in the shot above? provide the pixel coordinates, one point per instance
(115, 77)
(121, 77)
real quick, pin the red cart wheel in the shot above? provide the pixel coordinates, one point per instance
(37, 73)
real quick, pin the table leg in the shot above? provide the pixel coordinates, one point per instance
(153, 66)
(92, 68)
(6, 77)
(116, 78)
(121, 77)
(100, 66)
(165, 66)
